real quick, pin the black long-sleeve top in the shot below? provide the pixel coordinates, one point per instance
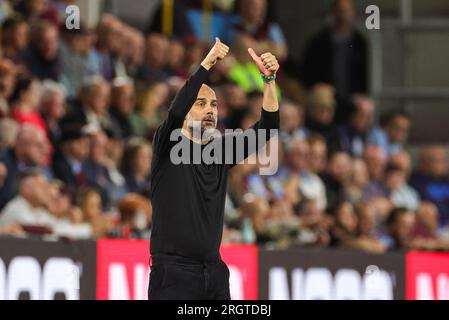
(188, 199)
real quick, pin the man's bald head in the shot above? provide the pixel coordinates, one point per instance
(433, 161)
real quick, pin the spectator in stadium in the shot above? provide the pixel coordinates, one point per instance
(94, 99)
(89, 201)
(344, 229)
(31, 150)
(376, 161)
(44, 10)
(30, 209)
(318, 154)
(352, 136)
(298, 163)
(337, 55)
(122, 105)
(114, 154)
(110, 44)
(155, 65)
(9, 130)
(402, 160)
(148, 111)
(3, 174)
(78, 59)
(7, 84)
(336, 178)
(136, 166)
(292, 120)
(256, 31)
(42, 55)
(176, 60)
(135, 216)
(52, 108)
(312, 230)
(431, 179)
(368, 236)
(69, 160)
(14, 38)
(321, 110)
(25, 102)
(392, 133)
(95, 167)
(399, 192)
(399, 229)
(359, 181)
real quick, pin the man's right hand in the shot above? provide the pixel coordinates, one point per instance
(218, 52)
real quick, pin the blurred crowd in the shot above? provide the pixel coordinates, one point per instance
(79, 108)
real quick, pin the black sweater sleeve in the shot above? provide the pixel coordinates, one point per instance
(268, 121)
(179, 108)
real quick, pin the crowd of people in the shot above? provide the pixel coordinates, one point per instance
(79, 108)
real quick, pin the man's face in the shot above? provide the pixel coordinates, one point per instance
(204, 109)
(79, 148)
(49, 43)
(398, 129)
(403, 227)
(99, 99)
(36, 148)
(344, 12)
(363, 118)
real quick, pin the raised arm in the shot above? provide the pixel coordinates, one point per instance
(268, 66)
(185, 98)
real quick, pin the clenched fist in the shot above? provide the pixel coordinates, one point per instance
(218, 52)
(267, 63)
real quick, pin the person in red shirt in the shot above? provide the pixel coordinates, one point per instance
(25, 102)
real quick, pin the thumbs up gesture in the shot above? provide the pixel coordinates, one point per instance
(267, 62)
(218, 52)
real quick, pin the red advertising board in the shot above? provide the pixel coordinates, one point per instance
(427, 276)
(242, 261)
(123, 268)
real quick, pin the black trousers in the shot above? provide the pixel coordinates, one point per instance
(178, 278)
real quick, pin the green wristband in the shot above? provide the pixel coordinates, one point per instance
(269, 78)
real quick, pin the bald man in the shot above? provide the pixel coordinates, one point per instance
(188, 198)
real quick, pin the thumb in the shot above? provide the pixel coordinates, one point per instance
(253, 55)
(217, 40)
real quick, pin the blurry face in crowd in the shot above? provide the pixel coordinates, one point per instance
(20, 36)
(79, 148)
(402, 228)
(123, 98)
(291, 117)
(236, 97)
(35, 190)
(98, 99)
(340, 167)
(375, 160)
(7, 78)
(114, 150)
(344, 12)
(157, 50)
(32, 146)
(54, 106)
(360, 176)
(427, 216)
(346, 217)
(318, 156)
(402, 160)
(253, 11)
(362, 119)
(91, 206)
(31, 96)
(48, 44)
(298, 155)
(367, 220)
(434, 161)
(394, 180)
(311, 215)
(398, 129)
(98, 144)
(324, 115)
(204, 110)
(142, 162)
(176, 55)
